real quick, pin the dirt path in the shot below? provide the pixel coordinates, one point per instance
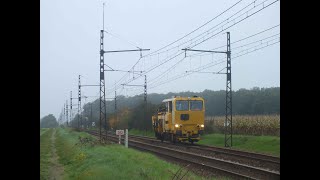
(56, 169)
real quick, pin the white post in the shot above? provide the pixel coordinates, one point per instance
(119, 139)
(126, 139)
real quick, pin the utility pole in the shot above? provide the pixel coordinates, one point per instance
(60, 116)
(67, 112)
(145, 88)
(145, 99)
(115, 107)
(103, 110)
(64, 112)
(228, 121)
(115, 101)
(91, 113)
(145, 103)
(79, 104)
(70, 106)
(81, 85)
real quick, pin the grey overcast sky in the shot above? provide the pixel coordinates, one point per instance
(70, 36)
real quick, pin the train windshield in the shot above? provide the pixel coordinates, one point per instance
(182, 105)
(196, 105)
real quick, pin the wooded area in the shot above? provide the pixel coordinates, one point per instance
(48, 121)
(130, 113)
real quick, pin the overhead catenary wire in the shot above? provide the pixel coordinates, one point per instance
(237, 47)
(117, 36)
(208, 66)
(211, 36)
(244, 38)
(182, 75)
(236, 54)
(233, 48)
(186, 34)
(175, 54)
(195, 29)
(165, 72)
(187, 74)
(240, 20)
(208, 31)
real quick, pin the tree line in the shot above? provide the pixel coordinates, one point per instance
(48, 121)
(131, 111)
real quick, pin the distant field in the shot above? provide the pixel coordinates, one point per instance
(260, 144)
(109, 161)
(268, 125)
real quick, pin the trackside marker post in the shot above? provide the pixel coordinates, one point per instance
(119, 133)
(126, 139)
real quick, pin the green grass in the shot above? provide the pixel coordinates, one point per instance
(109, 161)
(141, 133)
(260, 144)
(45, 153)
(43, 130)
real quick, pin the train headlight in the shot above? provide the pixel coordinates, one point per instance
(177, 125)
(202, 125)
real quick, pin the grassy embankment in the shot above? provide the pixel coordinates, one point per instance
(109, 161)
(45, 152)
(261, 144)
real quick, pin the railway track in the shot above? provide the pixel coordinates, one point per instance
(243, 157)
(213, 165)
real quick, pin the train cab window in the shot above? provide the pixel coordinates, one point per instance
(196, 105)
(162, 108)
(182, 105)
(167, 106)
(170, 106)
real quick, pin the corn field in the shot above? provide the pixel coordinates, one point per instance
(246, 124)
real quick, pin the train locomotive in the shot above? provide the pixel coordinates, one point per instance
(180, 119)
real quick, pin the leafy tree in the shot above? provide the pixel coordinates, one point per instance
(48, 121)
(130, 110)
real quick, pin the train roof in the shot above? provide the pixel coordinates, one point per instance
(183, 98)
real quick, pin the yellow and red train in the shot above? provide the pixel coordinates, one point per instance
(180, 119)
